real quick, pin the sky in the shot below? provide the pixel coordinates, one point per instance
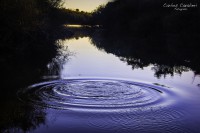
(84, 5)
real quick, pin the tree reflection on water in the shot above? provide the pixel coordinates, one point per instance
(177, 55)
(168, 54)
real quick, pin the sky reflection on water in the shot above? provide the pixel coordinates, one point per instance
(87, 60)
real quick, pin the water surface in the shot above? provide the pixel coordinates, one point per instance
(86, 89)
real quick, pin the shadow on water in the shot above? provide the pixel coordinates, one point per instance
(19, 71)
(20, 67)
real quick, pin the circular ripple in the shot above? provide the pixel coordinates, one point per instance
(96, 94)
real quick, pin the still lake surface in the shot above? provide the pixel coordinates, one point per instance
(86, 89)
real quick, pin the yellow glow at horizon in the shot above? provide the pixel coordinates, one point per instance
(74, 25)
(84, 5)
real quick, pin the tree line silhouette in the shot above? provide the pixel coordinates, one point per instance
(143, 32)
(145, 17)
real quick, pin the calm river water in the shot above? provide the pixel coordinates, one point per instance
(86, 89)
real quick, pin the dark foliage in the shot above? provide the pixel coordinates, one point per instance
(145, 17)
(75, 16)
(27, 44)
(144, 32)
(26, 20)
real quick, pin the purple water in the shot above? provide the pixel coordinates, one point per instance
(89, 90)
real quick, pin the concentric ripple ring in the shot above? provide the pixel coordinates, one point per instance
(96, 94)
